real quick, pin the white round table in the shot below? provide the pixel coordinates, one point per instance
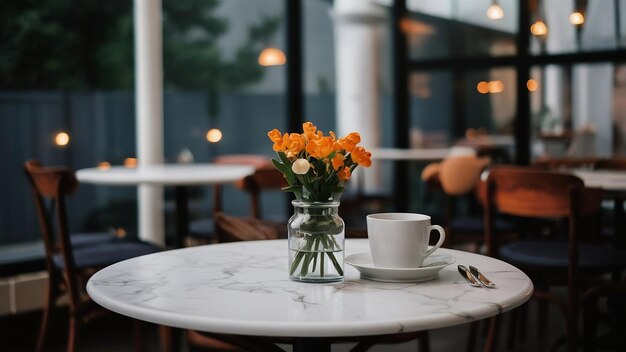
(243, 288)
(178, 175)
(414, 154)
(613, 184)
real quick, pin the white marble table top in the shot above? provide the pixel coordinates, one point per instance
(415, 154)
(243, 288)
(606, 179)
(166, 174)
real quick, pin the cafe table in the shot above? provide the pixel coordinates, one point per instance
(243, 288)
(178, 175)
(613, 185)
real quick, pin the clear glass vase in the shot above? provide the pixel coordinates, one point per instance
(316, 242)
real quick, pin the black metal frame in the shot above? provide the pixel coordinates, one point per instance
(522, 62)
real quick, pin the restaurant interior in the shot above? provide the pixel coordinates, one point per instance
(142, 200)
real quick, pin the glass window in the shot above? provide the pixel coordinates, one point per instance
(69, 68)
(445, 29)
(562, 27)
(578, 110)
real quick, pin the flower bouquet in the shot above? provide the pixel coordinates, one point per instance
(317, 167)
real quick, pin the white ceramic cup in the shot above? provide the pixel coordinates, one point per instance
(400, 240)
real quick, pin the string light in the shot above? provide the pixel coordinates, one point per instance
(130, 163)
(539, 28)
(214, 135)
(62, 139)
(482, 87)
(272, 57)
(105, 165)
(495, 11)
(576, 18)
(496, 87)
(532, 85)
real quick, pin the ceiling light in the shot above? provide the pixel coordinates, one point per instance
(272, 57)
(495, 12)
(576, 18)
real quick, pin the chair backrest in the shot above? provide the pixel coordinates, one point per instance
(50, 185)
(458, 175)
(529, 192)
(612, 164)
(233, 229)
(265, 177)
(567, 163)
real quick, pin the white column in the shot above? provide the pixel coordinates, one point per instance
(358, 31)
(149, 114)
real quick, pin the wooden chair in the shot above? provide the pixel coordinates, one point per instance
(533, 193)
(611, 164)
(265, 177)
(70, 259)
(459, 178)
(566, 163)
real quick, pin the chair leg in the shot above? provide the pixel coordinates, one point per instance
(46, 316)
(590, 320)
(572, 332)
(74, 332)
(138, 335)
(166, 334)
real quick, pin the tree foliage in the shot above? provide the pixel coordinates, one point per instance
(88, 44)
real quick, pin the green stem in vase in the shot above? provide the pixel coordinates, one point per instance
(331, 255)
(322, 264)
(316, 243)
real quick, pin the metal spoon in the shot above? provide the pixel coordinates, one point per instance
(482, 278)
(468, 276)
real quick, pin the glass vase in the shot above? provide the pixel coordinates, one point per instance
(316, 242)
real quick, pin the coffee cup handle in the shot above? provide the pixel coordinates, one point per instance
(442, 237)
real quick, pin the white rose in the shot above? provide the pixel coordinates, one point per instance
(300, 166)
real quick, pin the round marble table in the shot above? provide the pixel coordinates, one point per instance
(178, 175)
(243, 288)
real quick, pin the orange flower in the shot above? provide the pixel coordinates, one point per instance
(320, 148)
(309, 131)
(361, 156)
(296, 144)
(338, 161)
(281, 142)
(350, 141)
(344, 174)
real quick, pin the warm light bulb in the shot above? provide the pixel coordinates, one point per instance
(214, 135)
(62, 139)
(495, 87)
(532, 85)
(482, 87)
(539, 28)
(576, 18)
(272, 57)
(105, 165)
(130, 163)
(495, 12)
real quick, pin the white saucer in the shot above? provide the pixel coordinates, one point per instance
(429, 270)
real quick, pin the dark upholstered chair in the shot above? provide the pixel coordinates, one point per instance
(70, 259)
(533, 193)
